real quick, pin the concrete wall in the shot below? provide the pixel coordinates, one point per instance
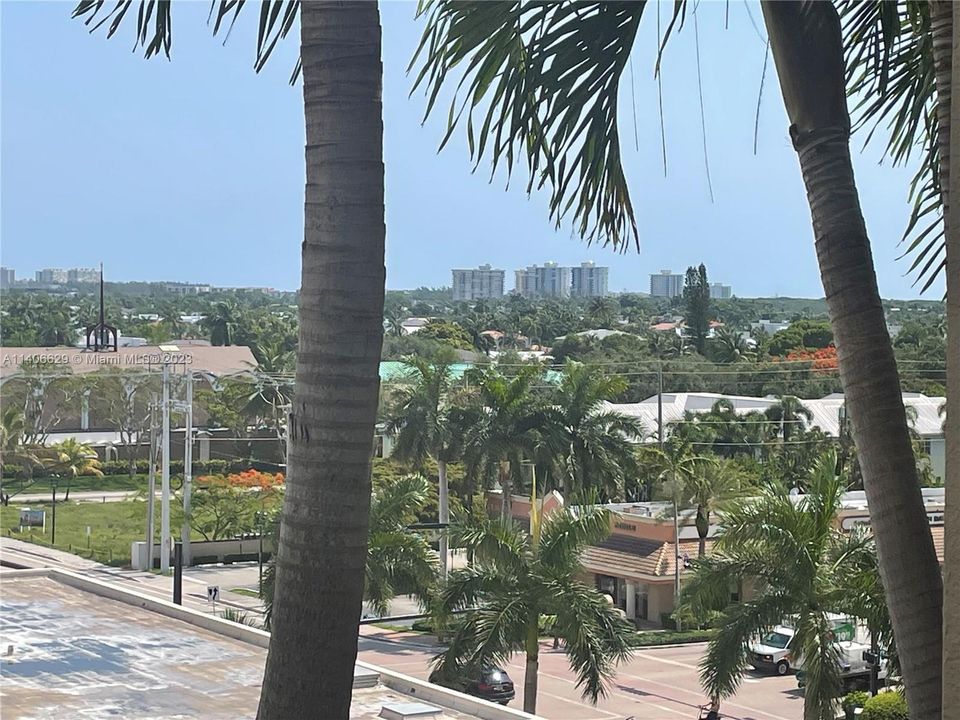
(659, 600)
(206, 552)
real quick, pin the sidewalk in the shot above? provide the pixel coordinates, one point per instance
(20, 552)
(76, 496)
(412, 639)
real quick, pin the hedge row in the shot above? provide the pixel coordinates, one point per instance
(122, 467)
(651, 638)
(671, 637)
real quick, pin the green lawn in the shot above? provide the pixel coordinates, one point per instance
(246, 592)
(113, 526)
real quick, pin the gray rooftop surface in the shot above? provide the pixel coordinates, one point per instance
(78, 655)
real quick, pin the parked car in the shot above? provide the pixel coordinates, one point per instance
(488, 683)
(771, 652)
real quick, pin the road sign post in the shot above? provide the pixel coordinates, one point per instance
(213, 594)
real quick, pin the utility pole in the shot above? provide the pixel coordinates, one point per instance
(165, 548)
(660, 402)
(187, 471)
(152, 483)
(677, 556)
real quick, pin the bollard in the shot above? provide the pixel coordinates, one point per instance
(178, 574)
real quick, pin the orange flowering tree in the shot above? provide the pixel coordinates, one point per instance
(226, 506)
(821, 361)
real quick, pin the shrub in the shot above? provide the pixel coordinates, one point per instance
(856, 699)
(885, 706)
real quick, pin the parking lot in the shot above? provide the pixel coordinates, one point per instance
(657, 684)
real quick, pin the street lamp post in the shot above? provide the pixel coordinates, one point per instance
(53, 527)
(260, 516)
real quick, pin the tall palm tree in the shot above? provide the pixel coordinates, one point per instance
(398, 560)
(516, 578)
(71, 459)
(221, 322)
(911, 77)
(756, 535)
(539, 53)
(324, 530)
(710, 490)
(596, 445)
(425, 424)
(677, 471)
(790, 413)
(507, 426)
(602, 312)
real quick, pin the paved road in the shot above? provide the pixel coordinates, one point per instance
(657, 684)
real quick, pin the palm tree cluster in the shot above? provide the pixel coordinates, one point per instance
(542, 82)
(398, 560)
(503, 424)
(67, 459)
(830, 571)
(516, 579)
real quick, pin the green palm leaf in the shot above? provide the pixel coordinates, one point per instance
(541, 80)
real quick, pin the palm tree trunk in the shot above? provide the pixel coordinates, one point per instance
(806, 43)
(703, 529)
(946, 53)
(323, 535)
(444, 518)
(531, 674)
(506, 491)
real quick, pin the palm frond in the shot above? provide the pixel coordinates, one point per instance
(155, 24)
(398, 559)
(486, 636)
(597, 637)
(820, 659)
(565, 533)
(542, 81)
(493, 541)
(891, 76)
(722, 667)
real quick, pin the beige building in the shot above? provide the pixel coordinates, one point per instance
(635, 565)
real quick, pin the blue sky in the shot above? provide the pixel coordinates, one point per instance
(192, 169)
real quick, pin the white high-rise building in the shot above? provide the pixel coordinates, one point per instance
(666, 284)
(477, 284)
(589, 280)
(83, 275)
(51, 276)
(550, 280)
(8, 276)
(719, 291)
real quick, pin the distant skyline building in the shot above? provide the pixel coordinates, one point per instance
(186, 288)
(666, 284)
(477, 283)
(548, 280)
(589, 280)
(719, 291)
(8, 276)
(51, 276)
(83, 275)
